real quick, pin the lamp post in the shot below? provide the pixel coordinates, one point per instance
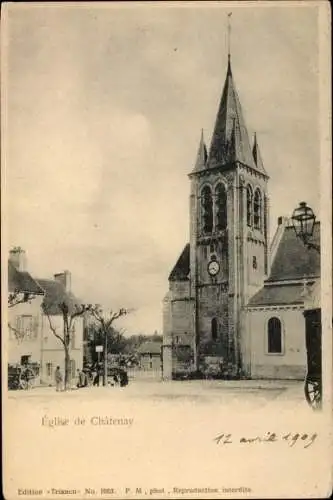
(303, 220)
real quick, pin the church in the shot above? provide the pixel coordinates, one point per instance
(236, 297)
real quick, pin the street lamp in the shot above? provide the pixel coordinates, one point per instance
(303, 220)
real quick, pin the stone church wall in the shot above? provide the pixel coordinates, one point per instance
(291, 363)
(213, 303)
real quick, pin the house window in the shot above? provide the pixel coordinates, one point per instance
(257, 209)
(49, 369)
(214, 329)
(150, 365)
(249, 205)
(27, 326)
(207, 210)
(274, 332)
(254, 262)
(221, 207)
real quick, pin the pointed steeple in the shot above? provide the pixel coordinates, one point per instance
(201, 160)
(257, 155)
(229, 123)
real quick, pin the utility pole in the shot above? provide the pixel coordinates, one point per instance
(105, 370)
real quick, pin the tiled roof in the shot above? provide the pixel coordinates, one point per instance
(56, 294)
(182, 268)
(150, 347)
(230, 140)
(21, 281)
(293, 260)
(278, 295)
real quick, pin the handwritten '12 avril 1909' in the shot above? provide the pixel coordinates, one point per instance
(270, 437)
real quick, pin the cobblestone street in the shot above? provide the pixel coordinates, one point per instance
(256, 393)
(171, 426)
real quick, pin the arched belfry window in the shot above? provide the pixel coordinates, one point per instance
(257, 209)
(274, 336)
(214, 329)
(249, 205)
(221, 207)
(207, 209)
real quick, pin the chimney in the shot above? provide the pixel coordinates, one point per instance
(65, 279)
(283, 220)
(18, 258)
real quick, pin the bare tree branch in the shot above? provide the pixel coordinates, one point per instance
(68, 316)
(105, 320)
(53, 329)
(18, 297)
(18, 335)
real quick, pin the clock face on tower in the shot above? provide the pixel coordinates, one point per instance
(213, 267)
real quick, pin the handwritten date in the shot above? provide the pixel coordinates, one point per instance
(270, 437)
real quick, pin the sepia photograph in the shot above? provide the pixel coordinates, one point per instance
(166, 250)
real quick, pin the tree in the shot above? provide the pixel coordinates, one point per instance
(69, 316)
(19, 297)
(105, 320)
(134, 341)
(116, 341)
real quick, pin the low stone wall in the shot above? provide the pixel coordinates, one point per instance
(288, 372)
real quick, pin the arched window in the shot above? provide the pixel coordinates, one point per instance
(214, 329)
(221, 207)
(265, 213)
(265, 230)
(274, 333)
(257, 209)
(207, 209)
(249, 205)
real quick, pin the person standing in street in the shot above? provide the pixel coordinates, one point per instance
(96, 376)
(58, 379)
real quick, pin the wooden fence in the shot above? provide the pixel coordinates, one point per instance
(144, 373)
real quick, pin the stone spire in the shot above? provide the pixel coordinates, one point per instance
(257, 156)
(201, 160)
(230, 140)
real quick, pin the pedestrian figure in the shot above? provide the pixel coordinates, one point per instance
(80, 378)
(58, 379)
(87, 376)
(123, 378)
(96, 377)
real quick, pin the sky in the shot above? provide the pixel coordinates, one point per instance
(104, 107)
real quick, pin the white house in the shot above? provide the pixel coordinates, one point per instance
(24, 313)
(31, 340)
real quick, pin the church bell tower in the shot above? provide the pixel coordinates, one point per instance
(228, 234)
